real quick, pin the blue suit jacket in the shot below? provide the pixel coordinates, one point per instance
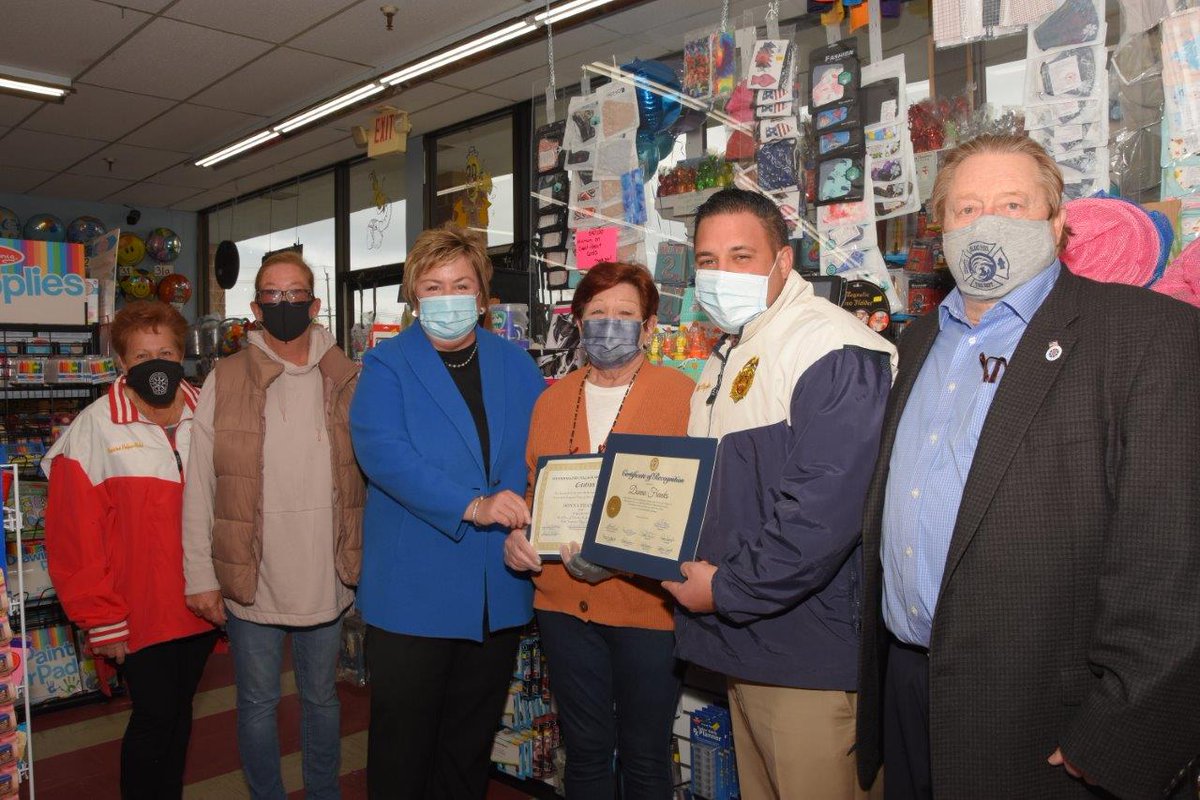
(426, 572)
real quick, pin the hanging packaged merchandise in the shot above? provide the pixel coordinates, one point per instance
(553, 190)
(1074, 23)
(774, 130)
(1068, 112)
(1074, 74)
(1058, 140)
(724, 64)
(784, 108)
(867, 302)
(845, 115)
(777, 165)
(619, 114)
(583, 132)
(550, 152)
(1181, 74)
(889, 150)
(840, 180)
(880, 100)
(697, 66)
(834, 73)
(552, 220)
(767, 64)
(836, 143)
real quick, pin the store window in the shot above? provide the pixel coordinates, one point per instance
(298, 214)
(473, 180)
(378, 233)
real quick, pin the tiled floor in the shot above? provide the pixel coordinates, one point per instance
(76, 751)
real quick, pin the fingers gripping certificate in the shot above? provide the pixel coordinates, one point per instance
(562, 501)
(649, 503)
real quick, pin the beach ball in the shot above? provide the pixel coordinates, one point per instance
(10, 224)
(138, 285)
(175, 288)
(130, 250)
(84, 229)
(45, 228)
(163, 245)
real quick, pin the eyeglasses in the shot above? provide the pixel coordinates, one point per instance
(993, 367)
(273, 297)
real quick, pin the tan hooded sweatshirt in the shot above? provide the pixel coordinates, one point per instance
(298, 582)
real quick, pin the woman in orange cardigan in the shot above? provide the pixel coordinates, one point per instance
(608, 638)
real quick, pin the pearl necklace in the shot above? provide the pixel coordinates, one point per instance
(464, 364)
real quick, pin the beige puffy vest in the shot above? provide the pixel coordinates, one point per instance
(237, 534)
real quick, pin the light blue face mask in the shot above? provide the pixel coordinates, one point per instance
(448, 316)
(732, 299)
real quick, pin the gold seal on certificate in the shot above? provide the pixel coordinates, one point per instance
(562, 502)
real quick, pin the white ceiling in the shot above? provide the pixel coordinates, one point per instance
(159, 83)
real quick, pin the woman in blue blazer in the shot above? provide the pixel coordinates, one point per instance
(440, 421)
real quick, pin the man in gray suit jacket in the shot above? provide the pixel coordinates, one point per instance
(1031, 532)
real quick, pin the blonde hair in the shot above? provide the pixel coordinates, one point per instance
(288, 257)
(1048, 172)
(440, 246)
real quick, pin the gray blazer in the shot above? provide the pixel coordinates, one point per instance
(1069, 613)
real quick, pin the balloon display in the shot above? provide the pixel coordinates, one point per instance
(45, 228)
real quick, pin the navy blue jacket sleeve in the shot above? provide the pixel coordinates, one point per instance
(836, 416)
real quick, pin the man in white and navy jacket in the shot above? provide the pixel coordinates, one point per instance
(796, 394)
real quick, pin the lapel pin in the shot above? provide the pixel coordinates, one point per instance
(1054, 351)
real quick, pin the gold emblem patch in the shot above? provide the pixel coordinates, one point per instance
(614, 506)
(653, 464)
(744, 380)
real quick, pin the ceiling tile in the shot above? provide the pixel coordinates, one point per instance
(190, 176)
(144, 5)
(652, 15)
(414, 100)
(282, 81)
(469, 105)
(19, 180)
(359, 34)
(14, 109)
(129, 162)
(99, 112)
(80, 187)
(174, 59)
(193, 129)
(152, 195)
(64, 37)
(273, 20)
(50, 151)
(210, 198)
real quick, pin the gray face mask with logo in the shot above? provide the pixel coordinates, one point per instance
(994, 255)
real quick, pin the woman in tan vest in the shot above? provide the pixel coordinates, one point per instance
(273, 522)
(609, 639)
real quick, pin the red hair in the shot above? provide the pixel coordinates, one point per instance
(146, 315)
(608, 274)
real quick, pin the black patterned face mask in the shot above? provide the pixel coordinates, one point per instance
(155, 381)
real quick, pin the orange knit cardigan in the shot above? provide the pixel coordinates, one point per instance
(658, 404)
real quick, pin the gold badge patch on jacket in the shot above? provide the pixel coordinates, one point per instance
(744, 380)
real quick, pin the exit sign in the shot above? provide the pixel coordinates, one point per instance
(389, 133)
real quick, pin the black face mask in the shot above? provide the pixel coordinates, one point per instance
(155, 381)
(286, 321)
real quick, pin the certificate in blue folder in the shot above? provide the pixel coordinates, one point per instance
(650, 502)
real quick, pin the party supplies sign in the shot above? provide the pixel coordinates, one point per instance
(42, 282)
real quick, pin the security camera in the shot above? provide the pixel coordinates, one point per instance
(133, 216)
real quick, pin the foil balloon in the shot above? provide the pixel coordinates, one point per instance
(163, 245)
(138, 285)
(10, 224)
(130, 250)
(175, 288)
(84, 229)
(657, 111)
(45, 228)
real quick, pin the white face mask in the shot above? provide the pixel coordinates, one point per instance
(994, 255)
(732, 299)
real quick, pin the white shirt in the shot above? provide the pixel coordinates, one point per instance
(603, 403)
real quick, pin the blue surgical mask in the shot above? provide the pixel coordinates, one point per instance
(732, 299)
(448, 316)
(611, 343)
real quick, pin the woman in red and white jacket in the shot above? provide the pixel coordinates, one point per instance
(114, 542)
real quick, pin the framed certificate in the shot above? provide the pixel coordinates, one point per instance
(562, 501)
(649, 502)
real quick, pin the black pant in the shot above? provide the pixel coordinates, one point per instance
(161, 680)
(906, 765)
(435, 708)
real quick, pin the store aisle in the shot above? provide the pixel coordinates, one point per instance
(76, 752)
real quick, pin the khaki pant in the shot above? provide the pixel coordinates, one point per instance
(795, 744)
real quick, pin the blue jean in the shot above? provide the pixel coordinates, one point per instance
(257, 662)
(616, 689)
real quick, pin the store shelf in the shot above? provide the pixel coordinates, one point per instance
(74, 701)
(48, 391)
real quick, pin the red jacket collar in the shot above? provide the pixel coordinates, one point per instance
(124, 411)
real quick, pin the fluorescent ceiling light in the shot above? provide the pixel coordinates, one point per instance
(37, 89)
(459, 53)
(568, 10)
(328, 107)
(238, 147)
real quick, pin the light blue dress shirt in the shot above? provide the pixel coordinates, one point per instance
(934, 448)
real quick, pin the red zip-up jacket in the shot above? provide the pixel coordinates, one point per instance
(114, 539)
